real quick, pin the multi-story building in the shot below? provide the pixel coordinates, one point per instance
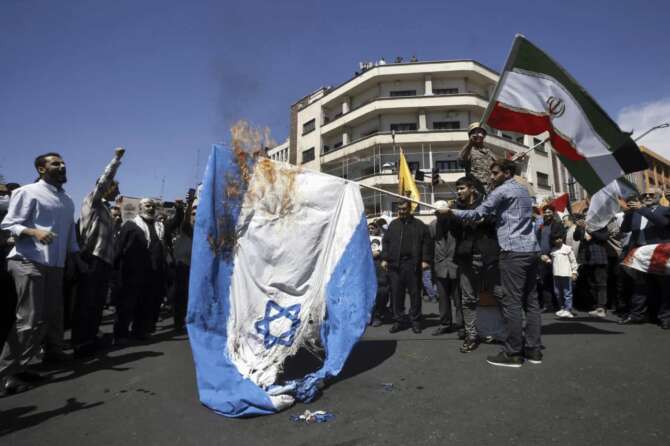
(657, 175)
(355, 130)
(279, 152)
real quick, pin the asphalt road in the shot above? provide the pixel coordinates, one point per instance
(600, 383)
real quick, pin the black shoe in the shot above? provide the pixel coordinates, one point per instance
(30, 376)
(461, 334)
(56, 357)
(442, 329)
(10, 385)
(505, 360)
(416, 328)
(396, 327)
(376, 322)
(630, 321)
(469, 345)
(488, 340)
(665, 325)
(533, 356)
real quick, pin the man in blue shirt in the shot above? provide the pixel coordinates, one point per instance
(512, 207)
(41, 218)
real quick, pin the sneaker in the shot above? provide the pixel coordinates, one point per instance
(469, 345)
(416, 328)
(560, 313)
(598, 312)
(376, 322)
(505, 360)
(442, 329)
(533, 356)
(568, 314)
(396, 327)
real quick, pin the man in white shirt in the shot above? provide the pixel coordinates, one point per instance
(41, 218)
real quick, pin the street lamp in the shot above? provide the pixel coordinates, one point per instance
(656, 127)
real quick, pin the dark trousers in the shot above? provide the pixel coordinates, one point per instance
(90, 301)
(406, 279)
(613, 265)
(7, 302)
(625, 286)
(382, 301)
(518, 276)
(596, 283)
(547, 296)
(448, 294)
(180, 294)
(651, 296)
(135, 306)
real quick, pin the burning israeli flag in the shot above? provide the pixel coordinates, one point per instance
(281, 260)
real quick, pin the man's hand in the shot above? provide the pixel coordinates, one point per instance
(634, 205)
(545, 258)
(118, 152)
(425, 265)
(190, 195)
(587, 236)
(385, 265)
(581, 223)
(42, 236)
(574, 276)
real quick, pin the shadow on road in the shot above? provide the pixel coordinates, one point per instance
(77, 368)
(19, 418)
(366, 355)
(561, 328)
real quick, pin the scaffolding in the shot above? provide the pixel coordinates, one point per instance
(378, 166)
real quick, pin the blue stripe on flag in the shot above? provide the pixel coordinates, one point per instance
(222, 388)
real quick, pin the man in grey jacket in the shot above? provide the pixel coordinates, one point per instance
(445, 273)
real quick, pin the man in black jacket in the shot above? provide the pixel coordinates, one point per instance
(592, 258)
(477, 253)
(648, 287)
(406, 251)
(549, 230)
(140, 257)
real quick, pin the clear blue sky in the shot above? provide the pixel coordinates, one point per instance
(166, 78)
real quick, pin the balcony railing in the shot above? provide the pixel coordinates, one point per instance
(339, 115)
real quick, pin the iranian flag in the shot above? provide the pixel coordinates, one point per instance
(651, 259)
(535, 94)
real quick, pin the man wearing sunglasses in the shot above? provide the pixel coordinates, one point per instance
(652, 291)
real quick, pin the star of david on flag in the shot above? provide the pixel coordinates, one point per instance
(274, 245)
(275, 312)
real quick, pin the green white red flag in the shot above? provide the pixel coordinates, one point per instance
(535, 94)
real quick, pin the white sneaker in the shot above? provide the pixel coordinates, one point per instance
(598, 312)
(568, 314)
(560, 313)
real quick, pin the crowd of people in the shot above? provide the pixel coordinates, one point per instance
(56, 271)
(493, 240)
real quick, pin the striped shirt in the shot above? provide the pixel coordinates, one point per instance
(96, 225)
(512, 206)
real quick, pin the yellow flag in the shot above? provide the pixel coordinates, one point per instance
(406, 185)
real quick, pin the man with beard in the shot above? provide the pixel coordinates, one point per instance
(96, 227)
(406, 251)
(41, 219)
(140, 257)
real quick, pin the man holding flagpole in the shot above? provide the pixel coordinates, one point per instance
(512, 206)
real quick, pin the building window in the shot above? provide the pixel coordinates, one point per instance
(449, 166)
(308, 155)
(446, 125)
(543, 180)
(413, 166)
(397, 93)
(539, 148)
(308, 126)
(445, 90)
(404, 127)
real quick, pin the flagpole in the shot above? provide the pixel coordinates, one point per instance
(391, 194)
(522, 154)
